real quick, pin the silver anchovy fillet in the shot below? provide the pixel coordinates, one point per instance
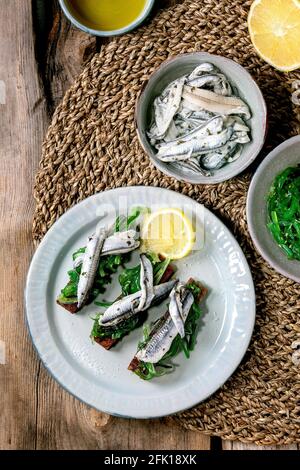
(214, 160)
(240, 137)
(192, 165)
(128, 306)
(89, 265)
(196, 145)
(119, 243)
(211, 127)
(205, 80)
(217, 82)
(166, 330)
(166, 106)
(146, 281)
(203, 68)
(199, 123)
(236, 154)
(176, 309)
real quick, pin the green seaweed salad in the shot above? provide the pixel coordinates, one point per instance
(284, 211)
(147, 370)
(108, 266)
(129, 281)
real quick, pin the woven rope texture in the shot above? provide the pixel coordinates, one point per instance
(92, 146)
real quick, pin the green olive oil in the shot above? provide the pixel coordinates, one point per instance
(106, 15)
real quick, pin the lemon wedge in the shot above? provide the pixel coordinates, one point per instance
(274, 27)
(168, 232)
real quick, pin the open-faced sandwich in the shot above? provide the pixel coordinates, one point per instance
(93, 265)
(174, 332)
(142, 287)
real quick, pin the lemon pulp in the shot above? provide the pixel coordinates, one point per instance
(168, 232)
(106, 15)
(274, 27)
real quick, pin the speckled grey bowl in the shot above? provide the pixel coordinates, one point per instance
(285, 155)
(248, 90)
(116, 32)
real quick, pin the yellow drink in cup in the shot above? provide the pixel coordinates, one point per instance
(106, 17)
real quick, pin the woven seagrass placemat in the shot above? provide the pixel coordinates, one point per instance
(92, 146)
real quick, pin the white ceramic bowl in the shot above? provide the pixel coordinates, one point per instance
(248, 90)
(116, 32)
(285, 155)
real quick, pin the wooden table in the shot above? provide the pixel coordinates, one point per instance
(40, 54)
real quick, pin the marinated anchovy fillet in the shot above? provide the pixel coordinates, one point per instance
(119, 243)
(181, 300)
(89, 265)
(93, 265)
(175, 331)
(203, 129)
(142, 287)
(193, 165)
(130, 305)
(196, 145)
(199, 122)
(147, 283)
(202, 69)
(166, 107)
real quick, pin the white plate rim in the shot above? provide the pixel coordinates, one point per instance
(41, 354)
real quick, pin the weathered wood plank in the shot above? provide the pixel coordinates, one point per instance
(65, 423)
(228, 445)
(22, 125)
(63, 49)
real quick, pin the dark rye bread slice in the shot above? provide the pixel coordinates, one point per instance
(107, 342)
(72, 308)
(134, 364)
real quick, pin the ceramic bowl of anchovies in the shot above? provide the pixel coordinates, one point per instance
(201, 118)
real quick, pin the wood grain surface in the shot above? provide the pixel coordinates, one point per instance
(40, 54)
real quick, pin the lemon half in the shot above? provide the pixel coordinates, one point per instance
(168, 232)
(274, 27)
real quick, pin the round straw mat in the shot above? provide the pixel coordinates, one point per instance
(92, 146)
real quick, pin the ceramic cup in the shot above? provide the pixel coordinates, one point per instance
(98, 32)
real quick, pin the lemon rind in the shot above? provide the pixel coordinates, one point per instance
(289, 68)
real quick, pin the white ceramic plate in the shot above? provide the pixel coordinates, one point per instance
(100, 378)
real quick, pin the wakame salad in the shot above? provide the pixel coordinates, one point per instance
(284, 211)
